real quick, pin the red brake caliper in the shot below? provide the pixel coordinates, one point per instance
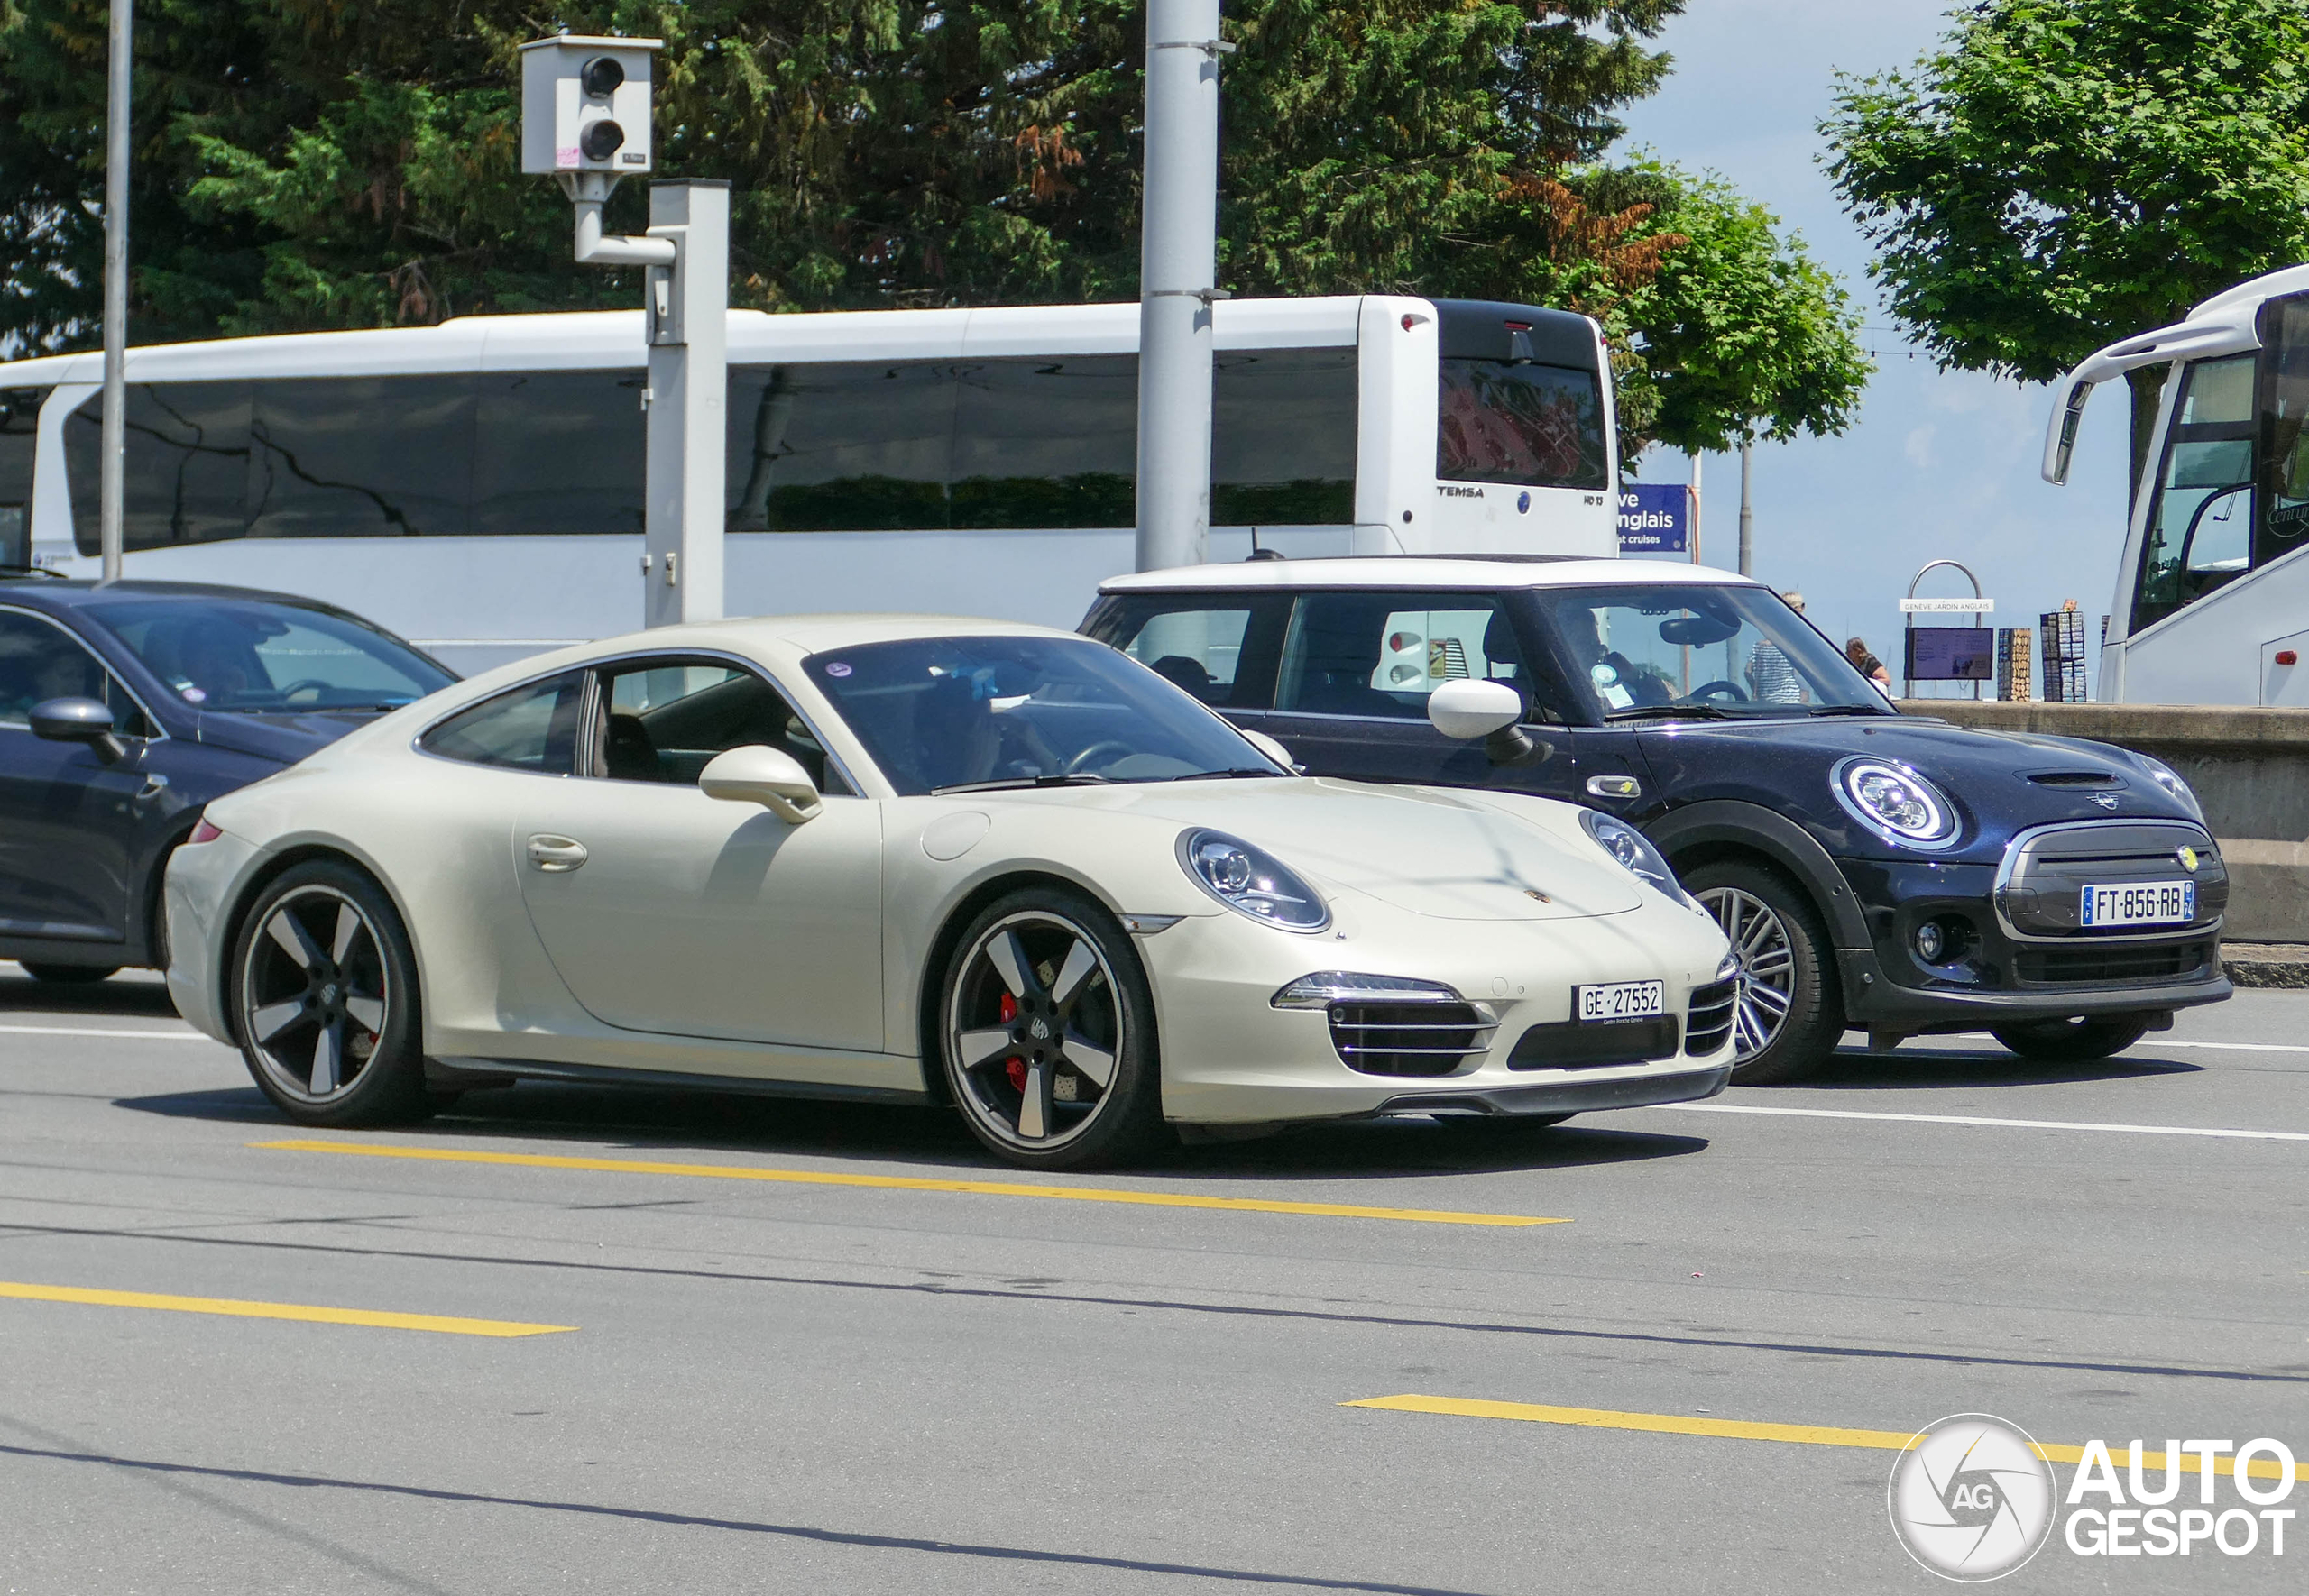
(1016, 1068)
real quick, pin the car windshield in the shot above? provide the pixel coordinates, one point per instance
(942, 713)
(248, 656)
(1676, 649)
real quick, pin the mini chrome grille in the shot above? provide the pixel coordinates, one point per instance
(1709, 1019)
(1409, 1038)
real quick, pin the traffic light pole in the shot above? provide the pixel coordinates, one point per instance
(687, 313)
(1178, 270)
(112, 489)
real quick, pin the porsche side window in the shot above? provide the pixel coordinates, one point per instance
(664, 721)
(532, 728)
(1380, 654)
(40, 660)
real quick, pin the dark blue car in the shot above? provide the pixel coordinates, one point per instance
(123, 708)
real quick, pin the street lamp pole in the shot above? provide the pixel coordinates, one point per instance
(1747, 513)
(1178, 273)
(112, 491)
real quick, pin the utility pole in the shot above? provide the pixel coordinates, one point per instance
(1694, 552)
(1747, 512)
(1178, 281)
(112, 491)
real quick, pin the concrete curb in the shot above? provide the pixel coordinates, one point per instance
(2267, 964)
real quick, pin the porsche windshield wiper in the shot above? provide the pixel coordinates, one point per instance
(1021, 783)
(1232, 771)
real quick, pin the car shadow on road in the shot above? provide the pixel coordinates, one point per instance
(599, 1118)
(1958, 1065)
(122, 995)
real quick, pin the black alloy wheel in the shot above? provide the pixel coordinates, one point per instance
(68, 973)
(1048, 1027)
(1787, 1013)
(2077, 1039)
(325, 1000)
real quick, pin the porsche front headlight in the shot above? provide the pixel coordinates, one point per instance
(1252, 881)
(1895, 803)
(1634, 852)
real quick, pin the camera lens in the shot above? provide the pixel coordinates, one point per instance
(601, 139)
(601, 76)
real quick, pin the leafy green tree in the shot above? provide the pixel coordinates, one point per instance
(2064, 173)
(315, 163)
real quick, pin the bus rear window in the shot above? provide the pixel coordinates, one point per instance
(1522, 423)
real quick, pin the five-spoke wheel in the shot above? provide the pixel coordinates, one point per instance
(1787, 1016)
(325, 994)
(1047, 1033)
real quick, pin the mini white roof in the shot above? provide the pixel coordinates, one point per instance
(1401, 571)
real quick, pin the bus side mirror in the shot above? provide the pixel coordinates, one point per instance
(78, 721)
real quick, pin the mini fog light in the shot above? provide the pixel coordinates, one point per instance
(1930, 943)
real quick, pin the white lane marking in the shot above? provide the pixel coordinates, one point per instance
(2233, 1047)
(82, 1031)
(1961, 1119)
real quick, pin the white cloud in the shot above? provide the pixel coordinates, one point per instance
(1919, 447)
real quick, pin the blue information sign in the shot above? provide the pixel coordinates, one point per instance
(1655, 519)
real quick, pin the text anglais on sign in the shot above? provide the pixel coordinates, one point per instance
(1655, 519)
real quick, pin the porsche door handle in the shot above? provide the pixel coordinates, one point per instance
(556, 856)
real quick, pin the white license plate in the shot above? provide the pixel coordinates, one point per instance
(1620, 1000)
(2139, 902)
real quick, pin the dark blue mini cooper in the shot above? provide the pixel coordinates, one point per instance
(1873, 870)
(125, 708)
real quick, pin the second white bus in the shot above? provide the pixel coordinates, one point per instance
(477, 486)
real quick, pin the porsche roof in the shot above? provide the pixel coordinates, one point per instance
(1399, 571)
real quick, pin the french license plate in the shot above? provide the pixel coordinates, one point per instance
(1620, 1000)
(2139, 902)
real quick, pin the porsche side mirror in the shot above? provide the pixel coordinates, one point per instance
(1273, 748)
(1471, 707)
(765, 775)
(78, 721)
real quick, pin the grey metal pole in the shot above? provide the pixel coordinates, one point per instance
(112, 492)
(1693, 553)
(687, 315)
(1178, 283)
(1747, 513)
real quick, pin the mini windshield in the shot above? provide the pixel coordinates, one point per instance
(1660, 649)
(248, 656)
(942, 713)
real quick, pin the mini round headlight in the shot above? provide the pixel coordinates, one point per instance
(1252, 881)
(2169, 779)
(1895, 803)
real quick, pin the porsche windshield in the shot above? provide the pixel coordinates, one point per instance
(1671, 650)
(943, 713)
(256, 658)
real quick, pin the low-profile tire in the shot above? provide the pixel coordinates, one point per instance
(2077, 1039)
(325, 1000)
(1046, 1033)
(1788, 1014)
(70, 974)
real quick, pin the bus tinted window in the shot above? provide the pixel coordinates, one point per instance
(188, 461)
(1047, 443)
(837, 448)
(558, 452)
(2200, 528)
(361, 456)
(19, 431)
(1519, 422)
(1283, 439)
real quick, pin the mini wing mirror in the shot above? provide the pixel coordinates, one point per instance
(1471, 708)
(78, 721)
(1273, 749)
(764, 776)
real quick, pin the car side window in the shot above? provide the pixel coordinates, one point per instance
(40, 660)
(1222, 651)
(665, 719)
(1382, 653)
(533, 728)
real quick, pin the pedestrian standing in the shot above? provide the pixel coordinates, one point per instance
(1856, 650)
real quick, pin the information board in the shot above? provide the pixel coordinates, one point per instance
(1655, 518)
(1951, 654)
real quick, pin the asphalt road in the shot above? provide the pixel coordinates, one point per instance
(693, 1381)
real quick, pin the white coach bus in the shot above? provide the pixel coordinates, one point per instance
(477, 486)
(2211, 603)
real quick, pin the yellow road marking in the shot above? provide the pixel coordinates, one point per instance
(1079, 1193)
(232, 1307)
(1802, 1434)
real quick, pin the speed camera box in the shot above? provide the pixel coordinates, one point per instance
(586, 105)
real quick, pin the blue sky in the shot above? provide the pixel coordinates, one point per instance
(1940, 465)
